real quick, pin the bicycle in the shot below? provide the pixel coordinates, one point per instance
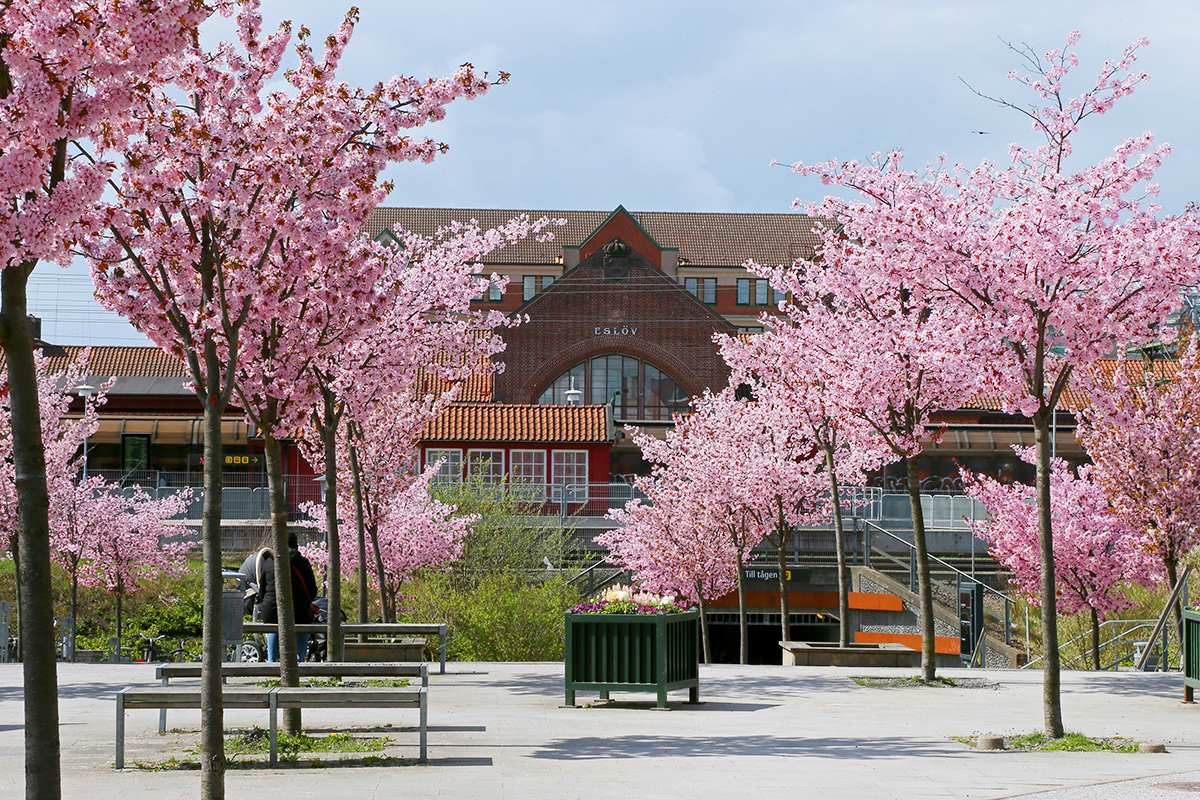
(151, 652)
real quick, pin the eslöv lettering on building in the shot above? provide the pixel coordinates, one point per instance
(624, 330)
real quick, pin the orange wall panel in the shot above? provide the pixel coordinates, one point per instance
(946, 645)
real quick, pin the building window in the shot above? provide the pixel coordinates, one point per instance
(743, 291)
(704, 289)
(777, 297)
(762, 289)
(485, 466)
(546, 281)
(750, 329)
(528, 287)
(569, 473)
(491, 293)
(135, 452)
(527, 474)
(637, 390)
(451, 469)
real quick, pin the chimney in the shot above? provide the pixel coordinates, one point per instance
(35, 327)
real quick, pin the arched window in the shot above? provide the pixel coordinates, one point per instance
(637, 390)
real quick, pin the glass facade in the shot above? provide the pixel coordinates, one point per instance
(637, 390)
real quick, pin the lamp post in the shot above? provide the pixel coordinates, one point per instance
(84, 390)
(323, 480)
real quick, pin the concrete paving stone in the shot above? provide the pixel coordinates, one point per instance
(497, 731)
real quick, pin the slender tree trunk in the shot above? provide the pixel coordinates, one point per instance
(1095, 640)
(120, 592)
(43, 776)
(289, 672)
(839, 538)
(212, 712)
(386, 611)
(704, 640)
(924, 580)
(74, 605)
(356, 481)
(743, 628)
(1172, 567)
(1051, 689)
(333, 631)
(785, 615)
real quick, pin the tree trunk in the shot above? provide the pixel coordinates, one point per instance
(333, 630)
(743, 628)
(1051, 690)
(924, 580)
(74, 605)
(212, 713)
(43, 776)
(843, 568)
(356, 480)
(704, 641)
(1172, 566)
(785, 615)
(289, 672)
(387, 612)
(120, 592)
(1095, 640)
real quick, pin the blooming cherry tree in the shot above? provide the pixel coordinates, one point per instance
(1140, 430)
(1096, 553)
(672, 545)
(221, 200)
(71, 73)
(1055, 262)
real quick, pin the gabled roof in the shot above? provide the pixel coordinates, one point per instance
(518, 423)
(702, 238)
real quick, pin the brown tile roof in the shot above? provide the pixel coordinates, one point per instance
(703, 238)
(107, 361)
(1074, 398)
(475, 389)
(517, 423)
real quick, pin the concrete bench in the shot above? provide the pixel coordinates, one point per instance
(308, 669)
(273, 700)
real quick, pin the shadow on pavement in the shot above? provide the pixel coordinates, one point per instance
(709, 746)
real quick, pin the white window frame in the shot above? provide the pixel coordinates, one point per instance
(496, 472)
(527, 486)
(451, 470)
(575, 494)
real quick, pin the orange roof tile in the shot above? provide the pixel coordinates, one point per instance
(518, 423)
(108, 361)
(1075, 398)
(703, 239)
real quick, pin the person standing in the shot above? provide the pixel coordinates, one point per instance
(304, 592)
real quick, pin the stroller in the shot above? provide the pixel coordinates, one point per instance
(317, 646)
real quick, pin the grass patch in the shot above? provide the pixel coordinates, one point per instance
(257, 742)
(1070, 742)
(886, 683)
(382, 683)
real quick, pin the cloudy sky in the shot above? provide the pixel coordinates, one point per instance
(681, 106)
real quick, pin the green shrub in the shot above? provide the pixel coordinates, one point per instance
(496, 618)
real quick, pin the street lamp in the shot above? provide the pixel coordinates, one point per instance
(574, 396)
(85, 391)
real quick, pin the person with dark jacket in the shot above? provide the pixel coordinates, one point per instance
(304, 592)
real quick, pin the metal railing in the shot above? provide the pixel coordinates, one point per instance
(244, 495)
(1125, 637)
(871, 555)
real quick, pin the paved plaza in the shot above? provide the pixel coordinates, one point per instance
(498, 731)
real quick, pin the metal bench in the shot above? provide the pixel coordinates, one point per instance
(308, 669)
(273, 700)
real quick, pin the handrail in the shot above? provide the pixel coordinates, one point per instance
(912, 564)
(1142, 623)
(951, 567)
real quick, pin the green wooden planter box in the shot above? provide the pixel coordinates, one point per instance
(633, 653)
(1191, 653)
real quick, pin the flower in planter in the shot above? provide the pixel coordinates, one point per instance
(625, 600)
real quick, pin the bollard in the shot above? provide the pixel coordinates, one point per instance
(989, 743)
(4, 629)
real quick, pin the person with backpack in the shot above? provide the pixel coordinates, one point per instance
(304, 592)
